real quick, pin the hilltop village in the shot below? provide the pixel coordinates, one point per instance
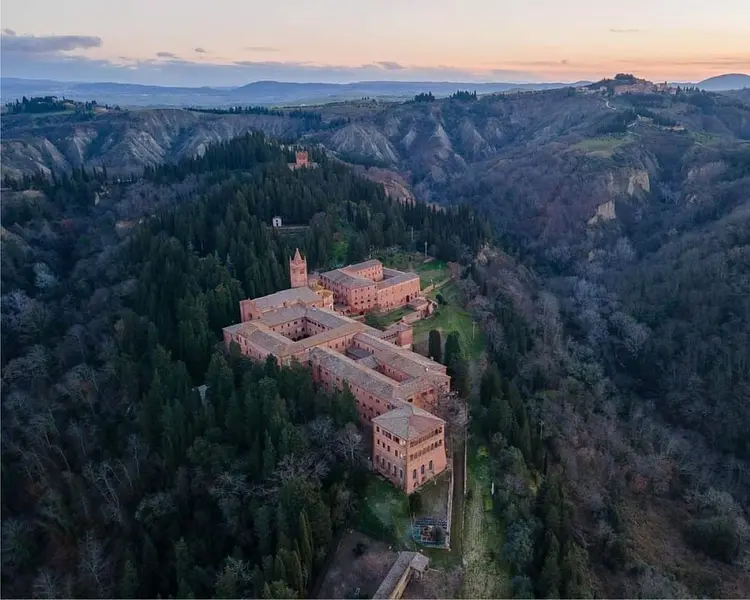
(394, 388)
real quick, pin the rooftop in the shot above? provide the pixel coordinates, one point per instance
(407, 355)
(347, 279)
(408, 422)
(397, 278)
(363, 265)
(282, 315)
(405, 560)
(300, 294)
(342, 366)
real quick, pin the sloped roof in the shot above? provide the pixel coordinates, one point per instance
(347, 279)
(395, 278)
(300, 294)
(408, 421)
(362, 266)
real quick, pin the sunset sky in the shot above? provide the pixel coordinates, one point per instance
(231, 42)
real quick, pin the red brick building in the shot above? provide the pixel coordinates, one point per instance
(393, 387)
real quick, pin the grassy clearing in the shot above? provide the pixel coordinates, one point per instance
(433, 271)
(705, 139)
(452, 317)
(601, 146)
(385, 513)
(484, 576)
(383, 320)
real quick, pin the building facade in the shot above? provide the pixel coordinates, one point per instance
(393, 387)
(408, 447)
(367, 286)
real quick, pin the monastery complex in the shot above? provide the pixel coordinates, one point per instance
(394, 388)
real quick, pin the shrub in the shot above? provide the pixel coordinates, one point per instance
(360, 549)
(415, 503)
(716, 536)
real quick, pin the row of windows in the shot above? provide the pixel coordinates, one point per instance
(426, 449)
(387, 448)
(422, 439)
(414, 472)
(388, 435)
(390, 469)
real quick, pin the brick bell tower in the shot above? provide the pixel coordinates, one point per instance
(298, 270)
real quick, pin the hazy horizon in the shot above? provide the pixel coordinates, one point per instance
(230, 43)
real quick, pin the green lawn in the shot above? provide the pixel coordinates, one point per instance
(383, 320)
(452, 317)
(602, 146)
(433, 271)
(384, 513)
(706, 139)
(486, 576)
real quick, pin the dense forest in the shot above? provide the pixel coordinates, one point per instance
(613, 402)
(140, 460)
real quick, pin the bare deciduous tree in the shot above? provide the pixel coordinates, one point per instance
(348, 444)
(93, 564)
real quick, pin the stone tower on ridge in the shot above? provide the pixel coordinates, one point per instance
(298, 270)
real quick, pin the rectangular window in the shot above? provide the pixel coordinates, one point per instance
(430, 465)
(422, 470)
(414, 474)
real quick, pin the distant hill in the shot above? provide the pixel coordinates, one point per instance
(730, 81)
(270, 93)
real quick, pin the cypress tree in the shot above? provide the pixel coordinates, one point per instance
(549, 578)
(305, 541)
(452, 349)
(269, 457)
(279, 570)
(435, 345)
(129, 581)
